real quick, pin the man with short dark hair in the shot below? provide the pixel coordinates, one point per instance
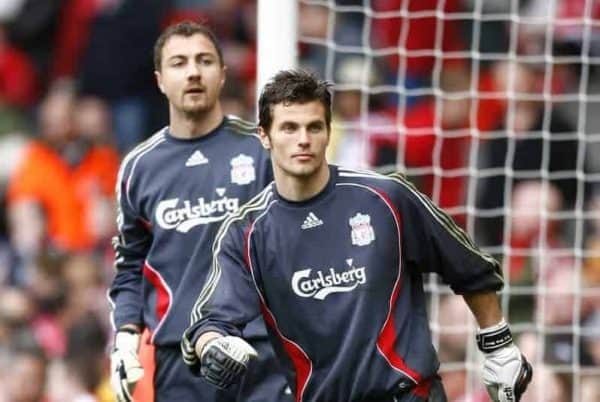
(173, 190)
(333, 259)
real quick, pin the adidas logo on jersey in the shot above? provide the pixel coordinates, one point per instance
(311, 221)
(196, 159)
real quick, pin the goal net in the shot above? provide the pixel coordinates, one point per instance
(492, 108)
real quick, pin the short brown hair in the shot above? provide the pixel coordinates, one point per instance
(293, 86)
(185, 29)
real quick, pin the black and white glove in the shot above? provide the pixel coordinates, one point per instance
(506, 372)
(125, 367)
(224, 360)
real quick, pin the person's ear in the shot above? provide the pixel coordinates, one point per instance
(159, 81)
(223, 76)
(265, 140)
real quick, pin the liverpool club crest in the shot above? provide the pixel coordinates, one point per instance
(362, 231)
(242, 170)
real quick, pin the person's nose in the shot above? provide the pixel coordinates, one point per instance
(304, 138)
(193, 72)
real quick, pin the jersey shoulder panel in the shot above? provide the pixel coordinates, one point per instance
(248, 212)
(409, 199)
(395, 185)
(129, 164)
(240, 126)
(386, 183)
(242, 130)
(132, 157)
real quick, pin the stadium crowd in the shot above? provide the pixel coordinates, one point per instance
(481, 135)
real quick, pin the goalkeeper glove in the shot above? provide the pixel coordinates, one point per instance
(506, 372)
(224, 360)
(125, 367)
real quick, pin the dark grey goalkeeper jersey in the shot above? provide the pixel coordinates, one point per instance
(338, 280)
(172, 195)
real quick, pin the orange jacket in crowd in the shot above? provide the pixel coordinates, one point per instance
(66, 194)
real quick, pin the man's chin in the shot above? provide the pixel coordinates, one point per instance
(303, 172)
(196, 110)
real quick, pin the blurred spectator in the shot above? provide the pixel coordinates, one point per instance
(94, 33)
(590, 388)
(528, 120)
(48, 289)
(315, 36)
(533, 224)
(417, 35)
(60, 197)
(236, 98)
(85, 282)
(439, 139)
(312, 24)
(357, 120)
(82, 375)
(539, 256)
(456, 331)
(568, 34)
(591, 338)
(93, 120)
(453, 337)
(16, 313)
(24, 374)
(437, 135)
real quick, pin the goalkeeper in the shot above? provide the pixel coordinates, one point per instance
(173, 190)
(333, 259)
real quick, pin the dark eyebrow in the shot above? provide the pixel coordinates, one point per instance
(177, 56)
(201, 54)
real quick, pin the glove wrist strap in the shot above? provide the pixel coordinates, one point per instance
(129, 330)
(494, 338)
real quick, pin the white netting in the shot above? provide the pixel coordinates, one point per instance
(493, 109)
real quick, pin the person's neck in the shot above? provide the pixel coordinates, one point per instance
(186, 126)
(297, 189)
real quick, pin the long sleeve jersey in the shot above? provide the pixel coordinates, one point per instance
(172, 196)
(338, 280)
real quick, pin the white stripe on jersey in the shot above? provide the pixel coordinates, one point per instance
(132, 154)
(242, 126)
(150, 147)
(150, 142)
(256, 203)
(215, 272)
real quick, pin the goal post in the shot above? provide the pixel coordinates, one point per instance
(277, 38)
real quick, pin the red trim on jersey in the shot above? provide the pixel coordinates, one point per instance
(388, 335)
(422, 389)
(163, 294)
(147, 225)
(299, 358)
